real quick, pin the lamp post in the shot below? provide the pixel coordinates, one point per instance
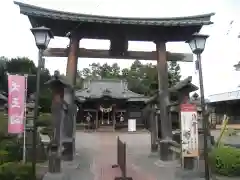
(42, 36)
(197, 45)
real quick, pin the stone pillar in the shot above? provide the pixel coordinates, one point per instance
(57, 117)
(69, 97)
(54, 150)
(163, 103)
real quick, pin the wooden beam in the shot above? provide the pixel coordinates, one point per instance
(140, 55)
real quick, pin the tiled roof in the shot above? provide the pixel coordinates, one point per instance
(31, 10)
(105, 87)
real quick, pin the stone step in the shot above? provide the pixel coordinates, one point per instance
(105, 129)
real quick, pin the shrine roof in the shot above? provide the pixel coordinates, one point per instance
(108, 87)
(44, 17)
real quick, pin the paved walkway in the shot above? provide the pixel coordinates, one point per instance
(96, 153)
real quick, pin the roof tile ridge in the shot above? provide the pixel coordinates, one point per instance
(193, 17)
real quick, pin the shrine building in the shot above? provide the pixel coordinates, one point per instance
(109, 102)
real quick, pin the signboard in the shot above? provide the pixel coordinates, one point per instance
(131, 125)
(189, 130)
(16, 103)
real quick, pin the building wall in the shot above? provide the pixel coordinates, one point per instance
(230, 108)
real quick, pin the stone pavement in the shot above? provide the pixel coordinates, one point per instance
(104, 156)
(96, 153)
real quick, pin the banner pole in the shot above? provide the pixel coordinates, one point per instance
(25, 121)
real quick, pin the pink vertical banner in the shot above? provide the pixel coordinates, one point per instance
(16, 103)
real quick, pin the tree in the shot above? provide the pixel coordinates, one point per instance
(173, 73)
(79, 80)
(96, 70)
(25, 66)
(140, 76)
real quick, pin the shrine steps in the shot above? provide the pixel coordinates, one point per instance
(105, 129)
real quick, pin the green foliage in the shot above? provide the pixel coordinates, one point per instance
(142, 78)
(3, 156)
(15, 171)
(46, 131)
(45, 101)
(3, 124)
(13, 147)
(173, 73)
(44, 120)
(225, 161)
(23, 65)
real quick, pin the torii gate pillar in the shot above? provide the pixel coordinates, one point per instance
(165, 124)
(69, 97)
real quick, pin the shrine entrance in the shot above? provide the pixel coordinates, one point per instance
(107, 116)
(111, 118)
(119, 30)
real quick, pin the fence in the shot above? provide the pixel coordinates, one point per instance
(121, 156)
(121, 160)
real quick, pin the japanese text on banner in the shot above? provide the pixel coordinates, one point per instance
(16, 103)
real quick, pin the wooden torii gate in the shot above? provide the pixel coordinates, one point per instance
(119, 31)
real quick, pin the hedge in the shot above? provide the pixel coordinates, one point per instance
(13, 149)
(225, 161)
(44, 120)
(15, 171)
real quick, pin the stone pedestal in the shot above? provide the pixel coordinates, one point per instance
(166, 154)
(68, 151)
(154, 147)
(56, 176)
(189, 163)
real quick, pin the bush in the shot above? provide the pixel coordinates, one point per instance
(3, 156)
(225, 161)
(15, 171)
(4, 136)
(46, 131)
(3, 123)
(44, 120)
(13, 148)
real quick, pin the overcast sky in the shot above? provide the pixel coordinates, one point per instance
(221, 53)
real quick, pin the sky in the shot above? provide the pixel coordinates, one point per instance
(222, 49)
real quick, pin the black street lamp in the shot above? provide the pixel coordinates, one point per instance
(42, 36)
(197, 45)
